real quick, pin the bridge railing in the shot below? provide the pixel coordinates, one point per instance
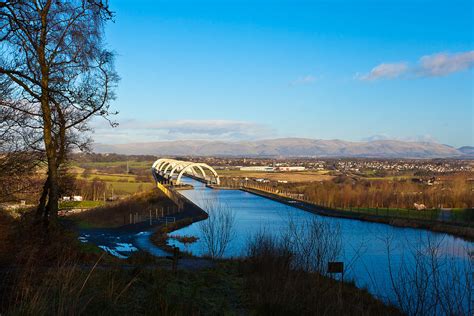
(173, 196)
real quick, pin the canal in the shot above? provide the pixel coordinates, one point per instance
(364, 245)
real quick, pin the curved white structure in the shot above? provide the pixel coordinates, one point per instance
(171, 170)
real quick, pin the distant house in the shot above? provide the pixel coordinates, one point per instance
(77, 198)
(258, 168)
(294, 168)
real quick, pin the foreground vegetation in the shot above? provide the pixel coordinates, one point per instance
(118, 213)
(50, 272)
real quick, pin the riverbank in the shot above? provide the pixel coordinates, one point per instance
(51, 272)
(128, 226)
(439, 227)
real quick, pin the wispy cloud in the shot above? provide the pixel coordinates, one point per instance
(386, 71)
(443, 64)
(303, 80)
(435, 65)
(144, 131)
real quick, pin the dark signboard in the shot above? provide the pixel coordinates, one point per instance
(335, 267)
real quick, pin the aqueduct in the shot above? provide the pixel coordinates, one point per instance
(170, 171)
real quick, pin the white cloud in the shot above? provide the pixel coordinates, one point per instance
(308, 79)
(435, 65)
(145, 131)
(386, 71)
(443, 64)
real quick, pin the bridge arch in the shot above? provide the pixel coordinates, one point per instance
(164, 169)
(179, 167)
(202, 166)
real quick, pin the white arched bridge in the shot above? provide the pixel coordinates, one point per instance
(170, 171)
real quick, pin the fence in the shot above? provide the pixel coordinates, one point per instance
(173, 196)
(453, 216)
(158, 215)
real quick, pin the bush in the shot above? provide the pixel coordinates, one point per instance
(274, 286)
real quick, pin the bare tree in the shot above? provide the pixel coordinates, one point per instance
(16, 163)
(218, 230)
(53, 60)
(429, 279)
(314, 243)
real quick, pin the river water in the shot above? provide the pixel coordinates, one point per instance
(364, 244)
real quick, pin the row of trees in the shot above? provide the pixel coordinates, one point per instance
(55, 75)
(402, 193)
(393, 194)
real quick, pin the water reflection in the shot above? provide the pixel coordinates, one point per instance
(368, 249)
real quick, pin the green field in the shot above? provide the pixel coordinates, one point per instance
(457, 215)
(129, 187)
(109, 177)
(131, 164)
(118, 182)
(80, 204)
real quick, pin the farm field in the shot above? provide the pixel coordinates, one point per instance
(459, 215)
(113, 176)
(108, 177)
(125, 188)
(80, 204)
(303, 176)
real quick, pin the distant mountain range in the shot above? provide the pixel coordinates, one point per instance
(467, 150)
(291, 147)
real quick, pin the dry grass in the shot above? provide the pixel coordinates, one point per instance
(275, 287)
(303, 176)
(118, 214)
(6, 235)
(53, 275)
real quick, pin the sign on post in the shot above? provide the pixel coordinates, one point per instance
(174, 259)
(336, 267)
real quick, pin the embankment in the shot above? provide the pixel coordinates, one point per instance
(190, 213)
(465, 232)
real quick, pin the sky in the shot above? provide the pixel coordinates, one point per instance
(247, 70)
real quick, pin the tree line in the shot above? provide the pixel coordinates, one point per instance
(456, 193)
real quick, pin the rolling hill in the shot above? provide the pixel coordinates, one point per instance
(287, 147)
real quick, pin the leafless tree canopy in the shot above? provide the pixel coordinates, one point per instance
(428, 280)
(55, 74)
(218, 230)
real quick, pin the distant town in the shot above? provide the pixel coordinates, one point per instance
(343, 165)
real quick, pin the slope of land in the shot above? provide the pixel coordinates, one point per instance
(287, 147)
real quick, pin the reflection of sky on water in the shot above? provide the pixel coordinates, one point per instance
(365, 245)
(121, 244)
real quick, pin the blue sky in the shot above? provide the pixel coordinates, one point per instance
(340, 69)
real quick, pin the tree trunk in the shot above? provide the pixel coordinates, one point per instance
(50, 146)
(42, 201)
